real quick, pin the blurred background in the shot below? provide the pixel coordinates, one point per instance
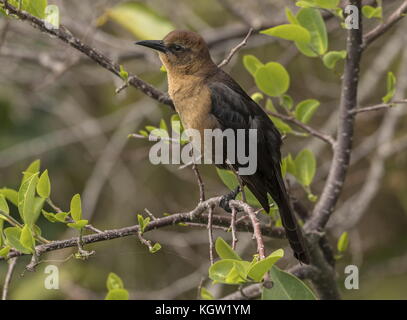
(58, 106)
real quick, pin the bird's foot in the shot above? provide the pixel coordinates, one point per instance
(224, 202)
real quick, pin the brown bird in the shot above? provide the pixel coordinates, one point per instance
(206, 97)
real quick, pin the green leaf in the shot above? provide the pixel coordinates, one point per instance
(273, 79)
(332, 57)
(33, 168)
(206, 295)
(123, 73)
(372, 12)
(281, 125)
(287, 101)
(286, 287)
(11, 195)
(52, 16)
(343, 242)
(229, 271)
(306, 109)
(49, 216)
(259, 269)
(257, 97)
(38, 205)
(76, 207)
(117, 294)
(143, 223)
(224, 250)
(79, 224)
(34, 7)
(140, 20)
(391, 87)
(44, 185)
(61, 216)
(252, 64)
(228, 178)
(13, 239)
(312, 20)
(26, 200)
(27, 238)
(155, 248)
(114, 282)
(4, 251)
(290, 16)
(3, 205)
(324, 4)
(292, 32)
(305, 165)
(163, 125)
(291, 168)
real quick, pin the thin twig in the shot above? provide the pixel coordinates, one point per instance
(11, 266)
(379, 106)
(235, 49)
(233, 227)
(200, 183)
(150, 214)
(210, 234)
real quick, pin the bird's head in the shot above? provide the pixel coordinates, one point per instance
(181, 51)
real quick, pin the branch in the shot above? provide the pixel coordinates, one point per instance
(322, 136)
(65, 35)
(11, 266)
(382, 28)
(195, 215)
(235, 49)
(343, 146)
(379, 106)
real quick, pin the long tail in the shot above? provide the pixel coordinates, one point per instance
(276, 188)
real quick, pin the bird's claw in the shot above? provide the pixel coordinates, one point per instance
(224, 202)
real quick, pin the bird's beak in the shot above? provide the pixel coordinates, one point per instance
(153, 44)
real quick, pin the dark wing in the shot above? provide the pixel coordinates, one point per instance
(234, 109)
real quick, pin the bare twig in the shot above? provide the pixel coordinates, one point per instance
(233, 227)
(322, 136)
(200, 183)
(382, 28)
(379, 106)
(236, 49)
(210, 234)
(11, 266)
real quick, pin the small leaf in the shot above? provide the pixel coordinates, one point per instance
(123, 73)
(273, 79)
(117, 294)
(391, 87)
(3, 205)
(281, 125)
(44, 185)
(26, 200)
(49, 216)
(52, 16)
(286, 287)
(332, 57)
(114, 282)
(27, 239)
(33, 168)
(306, 109)
(224, 250)
(305, 165)
(292, 32)
(163, 125)
(61, 216)
(11, 195)
(343, 242)
(312, 20)
(287, 101)
(229, 271)
(228, 178)
(206, 295)
(155, 248)
(252, 64)
(372, 12)
(76, 207)
(78, 224)
(291, 168)
(257, 97)
(259, 269)
(4, 251)
(290, 16)
(13, 239)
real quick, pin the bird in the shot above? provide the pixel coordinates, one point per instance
(206, 97)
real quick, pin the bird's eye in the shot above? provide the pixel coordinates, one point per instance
(177, 47)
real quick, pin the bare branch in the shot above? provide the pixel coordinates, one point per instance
(235, 49)
(11, 266)
(379, 106)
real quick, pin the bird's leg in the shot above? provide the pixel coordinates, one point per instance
(224, 202)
